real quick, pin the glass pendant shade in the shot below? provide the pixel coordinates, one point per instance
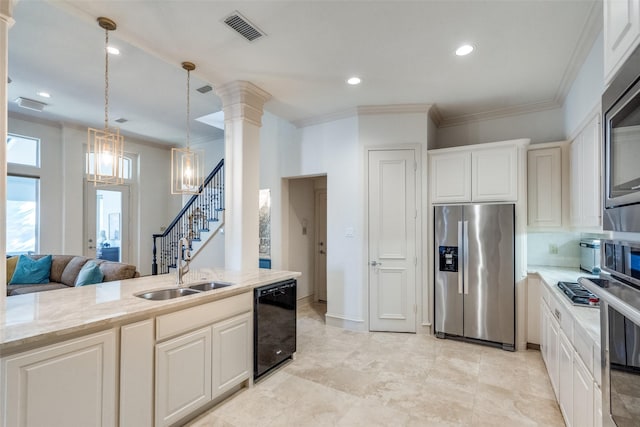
(186, 170)
(105, 153)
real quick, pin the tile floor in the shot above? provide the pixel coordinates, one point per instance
(344, 378)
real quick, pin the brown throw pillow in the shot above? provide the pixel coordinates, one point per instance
(11, 267)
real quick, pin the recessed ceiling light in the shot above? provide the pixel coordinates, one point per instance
(463, 50)
(113, 50)
(44, 94)
(354, 81)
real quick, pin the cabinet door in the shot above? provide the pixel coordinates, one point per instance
(590, 175)
(544, 339)
(183, 375)
(583, 413)
(553, 353)
(494, 175)
(450, 177)
(575, 181)
(544, 187)
(565, 355)
(597, 406)
(68, 384)
(136, 374)
(533, 310)
(232, 352)
(621, 33)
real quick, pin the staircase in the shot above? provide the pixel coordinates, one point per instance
(199, 220)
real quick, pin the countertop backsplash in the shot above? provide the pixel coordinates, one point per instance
(554, 249)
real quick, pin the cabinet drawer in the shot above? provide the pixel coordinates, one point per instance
(182, 321)
(584, 346)
(544, 293)
(563, 317)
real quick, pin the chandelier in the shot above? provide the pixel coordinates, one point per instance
(186, 164)
(105, 147)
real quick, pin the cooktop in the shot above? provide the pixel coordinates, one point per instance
(578, 294)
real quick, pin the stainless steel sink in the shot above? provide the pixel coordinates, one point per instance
(209, 286)
(168, 293)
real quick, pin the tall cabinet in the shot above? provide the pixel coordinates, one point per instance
(621, 33)
(585, 180)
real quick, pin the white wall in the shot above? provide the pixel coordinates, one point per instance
(540, 126)
(586, 91)
(62, 190)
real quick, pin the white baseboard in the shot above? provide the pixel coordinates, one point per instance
(338, 321)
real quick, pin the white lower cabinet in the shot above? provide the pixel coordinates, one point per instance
(193, 367)
(232, 361)
(72, 383)
(136, 374)
(565, 386)
(563, 346)
(183, 376)
(583, 398)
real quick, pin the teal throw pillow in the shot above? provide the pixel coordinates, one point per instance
(90, 274)
(31, 271)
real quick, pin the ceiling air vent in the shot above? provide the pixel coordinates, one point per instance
(205, 89)
(30, 104)
(243, 27)
(122, 120)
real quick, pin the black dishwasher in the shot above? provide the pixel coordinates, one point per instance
(274, 325)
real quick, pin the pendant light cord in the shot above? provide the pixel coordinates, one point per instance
(106, 80)
(188, 108)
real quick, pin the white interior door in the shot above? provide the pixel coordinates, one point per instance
(107, 222)
(321, 246)
(392, 240)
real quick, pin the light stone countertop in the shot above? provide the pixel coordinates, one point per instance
(40, 318)
(587, 317)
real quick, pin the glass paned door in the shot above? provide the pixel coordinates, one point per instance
(107, 218)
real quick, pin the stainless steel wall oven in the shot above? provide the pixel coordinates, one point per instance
(621, 124)
(619, 293)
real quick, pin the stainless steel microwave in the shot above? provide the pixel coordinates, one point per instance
(621, 122)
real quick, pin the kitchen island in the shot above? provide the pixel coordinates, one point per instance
(100, 355)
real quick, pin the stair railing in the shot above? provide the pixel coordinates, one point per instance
(190, 222)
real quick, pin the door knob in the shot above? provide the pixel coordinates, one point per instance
(375, 263)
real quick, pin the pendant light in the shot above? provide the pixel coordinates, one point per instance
(186, 164)
(105, 147)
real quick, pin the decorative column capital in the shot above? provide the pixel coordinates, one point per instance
(243, 100)
(6, 11)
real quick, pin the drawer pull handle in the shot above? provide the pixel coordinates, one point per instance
(556, 313)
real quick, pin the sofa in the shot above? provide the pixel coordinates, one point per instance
(65, 270)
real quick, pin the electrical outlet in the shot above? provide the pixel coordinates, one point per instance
(553, 248)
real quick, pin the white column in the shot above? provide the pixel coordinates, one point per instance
(242, 105)
(6, 21)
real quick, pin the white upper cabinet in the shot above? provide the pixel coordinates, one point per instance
(482, 173)
(494, 174)
(544, 187)
(621, 33)
(451, 177)
(586, 194)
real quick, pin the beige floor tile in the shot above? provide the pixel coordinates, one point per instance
(351, 379)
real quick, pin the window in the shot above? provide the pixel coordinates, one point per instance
(23, 150)
(23, 194)
(22, 214)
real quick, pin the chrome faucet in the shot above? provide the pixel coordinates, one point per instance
(181, 270)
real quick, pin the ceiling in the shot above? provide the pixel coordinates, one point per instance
(527, 55)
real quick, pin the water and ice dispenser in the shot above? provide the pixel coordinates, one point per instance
(448, 258)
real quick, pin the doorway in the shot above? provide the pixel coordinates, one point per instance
(107, 222)
(307, 238)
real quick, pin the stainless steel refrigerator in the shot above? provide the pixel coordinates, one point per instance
(475, 273)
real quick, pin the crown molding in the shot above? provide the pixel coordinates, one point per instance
(500, 113)
(363, 110)
(325, 118)
(436, 115)
(590, 31)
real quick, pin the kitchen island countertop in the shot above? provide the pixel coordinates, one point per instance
(40, 318)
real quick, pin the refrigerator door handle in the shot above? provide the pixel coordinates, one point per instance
(465, 255)
(460, 240)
